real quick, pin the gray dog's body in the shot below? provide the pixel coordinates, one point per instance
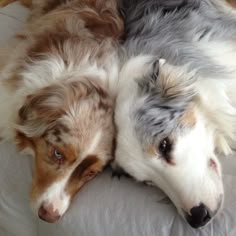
(169, 28)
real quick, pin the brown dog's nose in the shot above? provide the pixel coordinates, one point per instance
(47, 213)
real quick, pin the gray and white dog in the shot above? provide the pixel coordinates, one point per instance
(176, 105)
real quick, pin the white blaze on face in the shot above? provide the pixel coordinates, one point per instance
(55, 196)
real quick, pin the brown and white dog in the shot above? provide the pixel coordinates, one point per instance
(56, 96)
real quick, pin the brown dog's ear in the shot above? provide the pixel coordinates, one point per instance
(40, 111)
(29, 124)
(24, 144)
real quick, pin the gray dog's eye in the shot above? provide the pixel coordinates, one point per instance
(165, 148)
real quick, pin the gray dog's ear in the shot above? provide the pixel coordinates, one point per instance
(150, 82)
(168, 82)
(156, 69)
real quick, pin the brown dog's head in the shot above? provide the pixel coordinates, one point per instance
(69, 128)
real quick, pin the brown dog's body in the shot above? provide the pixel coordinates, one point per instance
(56, 96)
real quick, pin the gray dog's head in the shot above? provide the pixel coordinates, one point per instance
(167, 137)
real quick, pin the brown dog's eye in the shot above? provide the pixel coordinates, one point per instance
(58, 157)
(165, 148)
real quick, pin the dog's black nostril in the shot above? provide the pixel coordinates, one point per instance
(199, 216)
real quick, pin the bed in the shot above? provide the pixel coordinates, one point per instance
(106, 206)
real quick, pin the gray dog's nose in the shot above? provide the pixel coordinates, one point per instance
(199, 216)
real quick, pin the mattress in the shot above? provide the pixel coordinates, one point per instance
(105, 206)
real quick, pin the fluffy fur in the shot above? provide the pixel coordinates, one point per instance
(57, 97)
(176, 105)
